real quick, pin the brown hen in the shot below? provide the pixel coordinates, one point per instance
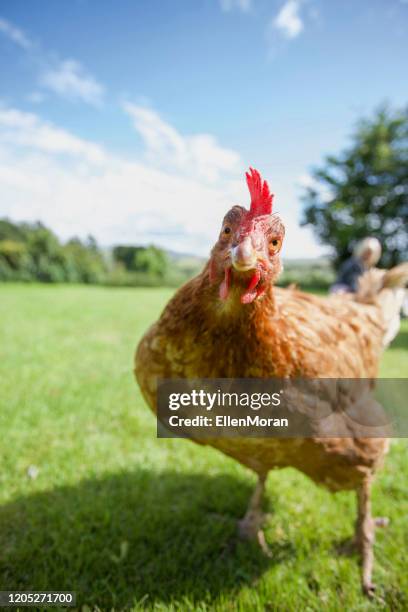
(231, 322)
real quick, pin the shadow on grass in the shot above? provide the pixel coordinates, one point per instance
(132, 537)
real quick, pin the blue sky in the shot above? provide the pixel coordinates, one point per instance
(136, 120)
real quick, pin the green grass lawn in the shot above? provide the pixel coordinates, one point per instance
(132, 522)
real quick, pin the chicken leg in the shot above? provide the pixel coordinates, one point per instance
(365, 533)
(250, 527)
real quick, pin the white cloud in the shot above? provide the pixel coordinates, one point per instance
(78, 187)
(67, 79)
(241, 5)
(288, 19)
(307, 181)
(198, 155)
(26, 131)
(70, 80)
(36, 97)
(14, 34)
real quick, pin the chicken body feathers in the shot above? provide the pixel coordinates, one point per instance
(286, 333)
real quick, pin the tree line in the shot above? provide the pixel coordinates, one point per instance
(32, 252)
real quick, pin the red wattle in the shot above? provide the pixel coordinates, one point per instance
(260, 290)
(251, 293)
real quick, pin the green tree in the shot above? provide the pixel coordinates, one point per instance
(364, 191)
(47, 254)
(150, 260)
(84, 262)
(30, 251)
(125, 255)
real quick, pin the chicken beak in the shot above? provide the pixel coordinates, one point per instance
(243, 256)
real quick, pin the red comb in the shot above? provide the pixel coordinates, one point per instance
(261, 197)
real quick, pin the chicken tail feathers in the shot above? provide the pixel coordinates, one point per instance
(387, 288)
(397, 277)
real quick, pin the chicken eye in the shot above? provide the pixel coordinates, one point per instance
(227, 230)
(275, 245)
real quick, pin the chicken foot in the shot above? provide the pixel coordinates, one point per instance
(250, 527)
(365, 534)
